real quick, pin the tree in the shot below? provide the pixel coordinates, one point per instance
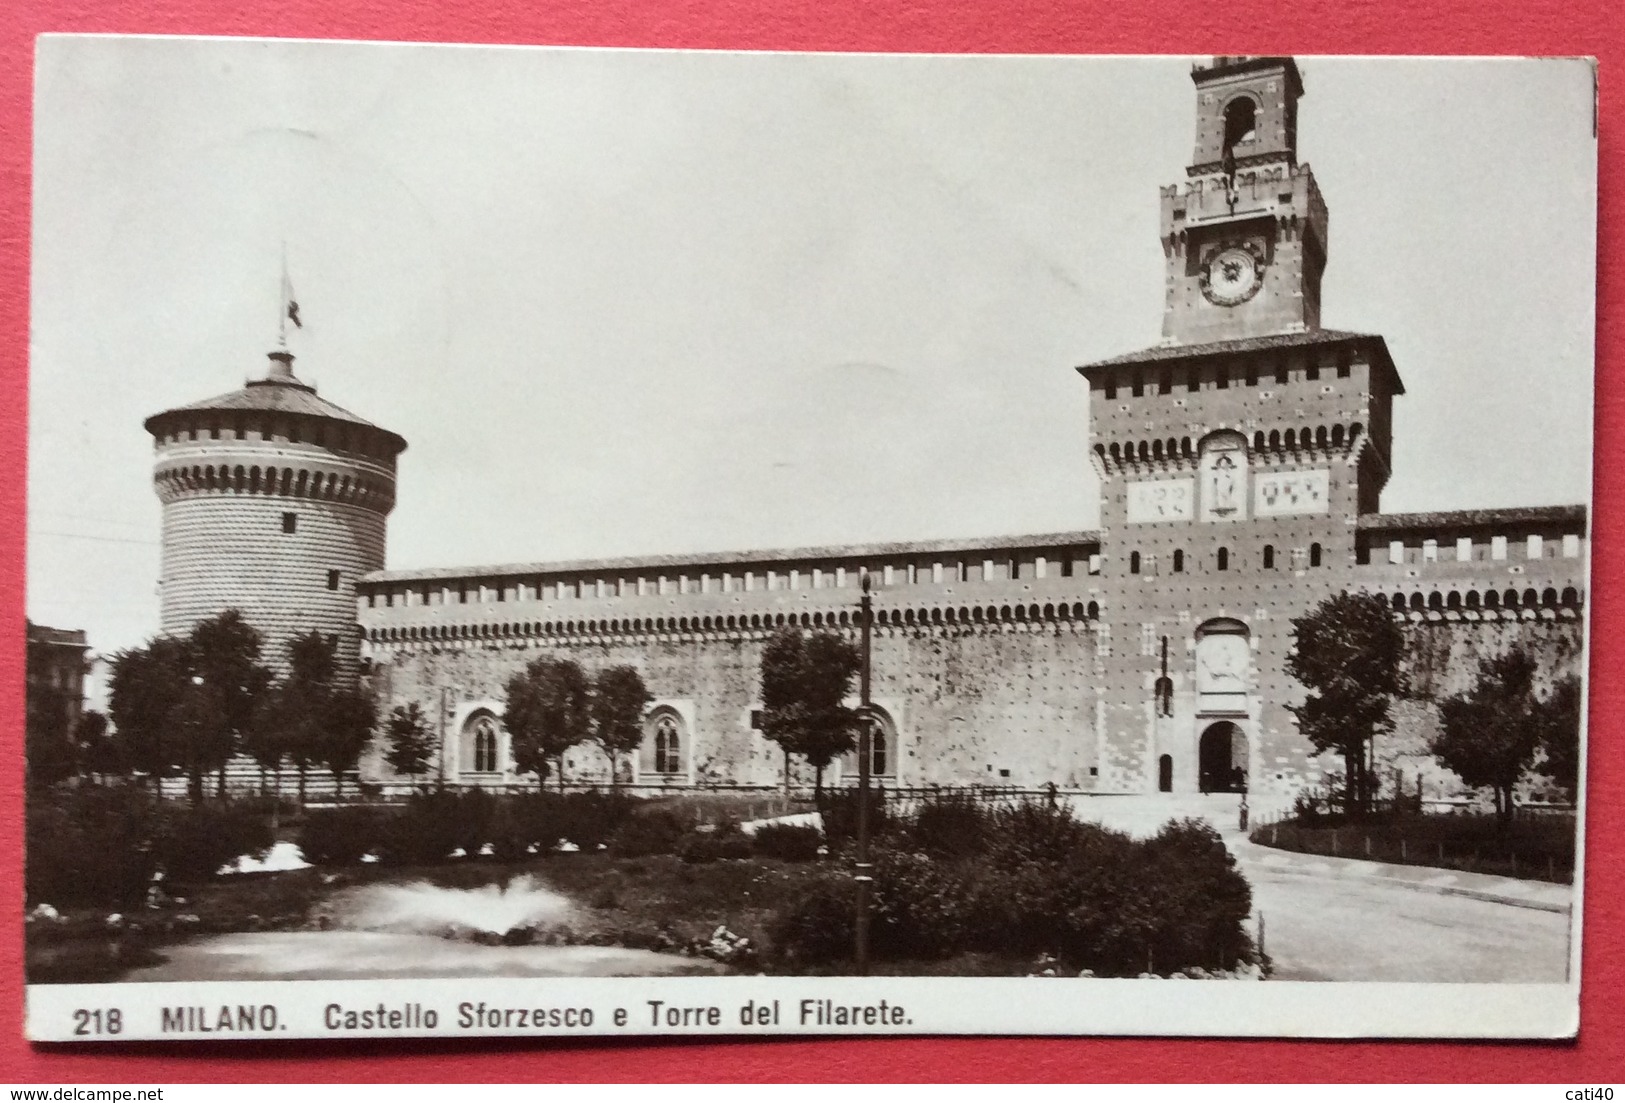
(50, 749)
(226, 655)
(202, 733)
(102, 752)
(343, 732)
(805, 682)
(187, 703)
(548, 712)
(1346, 653)
(619, 699)
(144, 691)
(266, 740)
(411, 743)
(304, 697)
(1559, 719)
(1489, 734)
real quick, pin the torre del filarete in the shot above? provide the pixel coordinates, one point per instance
(1241, 463)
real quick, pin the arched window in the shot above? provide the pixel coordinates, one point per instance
(1179, 560)
(668, 745)
(479, 744)
(1224, 559)
(878, 757)
(882, 748)
(1240, 123)
(1314, 555)
(1269, 557)
(1133, 562)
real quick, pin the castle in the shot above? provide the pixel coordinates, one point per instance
(1241, 462)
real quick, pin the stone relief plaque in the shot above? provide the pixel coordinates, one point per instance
(1161, 500)
(1284, 493)
(1224, 477)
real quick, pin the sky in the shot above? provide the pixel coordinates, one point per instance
(626, 303)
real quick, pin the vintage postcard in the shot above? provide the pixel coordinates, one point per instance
(551, 541)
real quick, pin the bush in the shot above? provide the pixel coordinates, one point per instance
(921, 906)
(1201, 898)
(195, 841)
(713, 846)
(839, 813)
(341, 836)
(1042, 883)
(1033, 832)
(787, 842)
(91, 845)
(654, 832)
(950, 824)
(818, 928)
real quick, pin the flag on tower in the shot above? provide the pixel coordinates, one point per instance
(290, 305)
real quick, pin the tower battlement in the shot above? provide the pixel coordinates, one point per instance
(275, 502)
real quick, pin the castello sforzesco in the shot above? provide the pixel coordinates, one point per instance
(1241, 461)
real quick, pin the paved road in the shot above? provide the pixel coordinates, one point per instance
(1322, 926)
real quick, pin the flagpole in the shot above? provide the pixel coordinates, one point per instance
(282, 302)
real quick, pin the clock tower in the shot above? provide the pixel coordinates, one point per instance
(1244, 236)
(1236, 458)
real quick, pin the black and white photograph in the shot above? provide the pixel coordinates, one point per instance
(571, 541)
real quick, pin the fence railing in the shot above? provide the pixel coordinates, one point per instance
(1545, 853)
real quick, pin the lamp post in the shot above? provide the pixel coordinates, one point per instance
(862, 874)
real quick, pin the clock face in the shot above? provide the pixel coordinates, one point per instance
(1233, 275)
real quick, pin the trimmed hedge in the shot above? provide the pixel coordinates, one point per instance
(195, 841)
(713, 846)
(656, 832)
(340, 836)
(101, 845)
(90, 845)
(436, 823)
(787, 842)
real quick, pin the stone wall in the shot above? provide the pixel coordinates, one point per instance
(1442, 660)
(1007, 704)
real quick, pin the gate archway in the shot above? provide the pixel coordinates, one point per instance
(1222, 759)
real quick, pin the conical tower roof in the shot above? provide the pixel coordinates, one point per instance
(280, 391)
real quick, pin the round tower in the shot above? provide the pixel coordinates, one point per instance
(275, 502)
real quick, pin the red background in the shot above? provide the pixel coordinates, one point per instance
(1008, 26)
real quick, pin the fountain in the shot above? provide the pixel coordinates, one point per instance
(507, 912)
(414, 930)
